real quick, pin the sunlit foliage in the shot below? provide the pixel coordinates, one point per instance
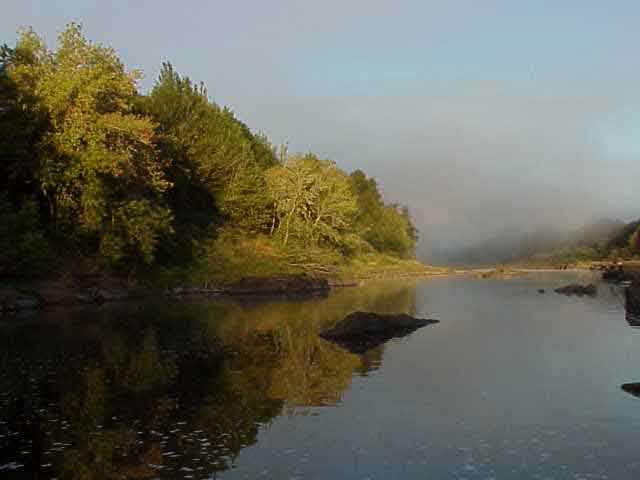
(387, 228)
(95, 166)
(313, 201)
(92, 167)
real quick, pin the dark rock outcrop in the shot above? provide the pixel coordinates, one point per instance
(613, 273)
(577, 289)
(621, 272)
(632, 388)
(361, 331)
(98, 290)
(281, 285)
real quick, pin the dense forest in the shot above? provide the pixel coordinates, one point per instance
(96, 174)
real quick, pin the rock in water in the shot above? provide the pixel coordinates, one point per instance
(577, 289)
(632, 388)
(361, 331)
(613, 273)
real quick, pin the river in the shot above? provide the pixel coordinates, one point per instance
(512, 383)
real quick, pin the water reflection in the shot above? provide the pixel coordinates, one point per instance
(170, 390)
(632, 305)
(632, 315)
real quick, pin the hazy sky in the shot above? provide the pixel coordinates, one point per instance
(482, 116)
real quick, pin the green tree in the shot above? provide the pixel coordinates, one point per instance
(96, 165)
(22, 125)
(313, 201)
(634, 242)
(24, 249)
(218, 161)
(89, 166)
(387, 228)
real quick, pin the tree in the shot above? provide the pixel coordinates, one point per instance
(24, 249)
(97, 167)
(313, 201)
(634, 242)
(22, 125)
(215, 155)
(90, 166)
(387, 228)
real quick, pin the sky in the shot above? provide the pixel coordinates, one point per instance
(484, 117)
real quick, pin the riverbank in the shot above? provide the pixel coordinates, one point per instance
(508, 272)
(86, 288)
(79, 288)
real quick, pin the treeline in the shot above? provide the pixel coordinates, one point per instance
(626, 243)
(92, 168)
(603, 241)
(622, 243)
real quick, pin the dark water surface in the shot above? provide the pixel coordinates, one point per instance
(512, 384)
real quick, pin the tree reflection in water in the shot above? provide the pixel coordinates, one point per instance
(632, 305)
(173, 389)
(632, 315)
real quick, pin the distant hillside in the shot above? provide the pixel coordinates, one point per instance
(504, 248)
(550, 244)
(600, 232)
(621, 238)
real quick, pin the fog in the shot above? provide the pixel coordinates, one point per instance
(484, 119)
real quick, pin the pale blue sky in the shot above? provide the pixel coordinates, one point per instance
(482, 116)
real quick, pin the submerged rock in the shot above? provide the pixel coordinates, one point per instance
(361, 331)
(577, 289)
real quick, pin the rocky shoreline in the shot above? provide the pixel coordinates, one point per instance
(96, 290)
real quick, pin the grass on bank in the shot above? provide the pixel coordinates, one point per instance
(229, 259)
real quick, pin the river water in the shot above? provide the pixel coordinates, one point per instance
(512, 384)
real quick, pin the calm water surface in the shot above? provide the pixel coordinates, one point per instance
(511, 384)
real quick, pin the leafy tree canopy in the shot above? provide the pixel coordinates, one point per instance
(90, 166)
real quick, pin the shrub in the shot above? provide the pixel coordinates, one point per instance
(24, 249)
